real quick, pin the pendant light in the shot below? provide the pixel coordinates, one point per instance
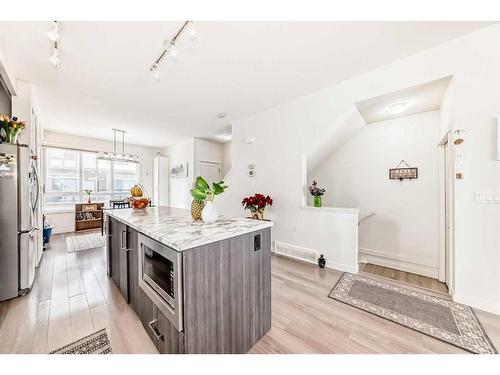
(115, 155)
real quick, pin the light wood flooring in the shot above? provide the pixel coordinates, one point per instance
(73, 297)
(413, 279)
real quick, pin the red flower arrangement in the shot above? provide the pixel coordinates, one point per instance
(256, 204)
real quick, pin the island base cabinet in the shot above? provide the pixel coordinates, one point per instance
(163, 334)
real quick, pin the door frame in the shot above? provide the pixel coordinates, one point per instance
(446, 212)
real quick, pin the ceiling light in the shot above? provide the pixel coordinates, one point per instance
(397, 108)
(54, 33)
(222, 115)
(156, 74)
(170, 45)
(172, 50)
(54, 59)
(225, 137)
(118, 156)
(192, 32)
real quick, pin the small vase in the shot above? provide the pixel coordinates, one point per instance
(317, 201)
(209, 214)
(88, 200)
(258, 214)
(197, 209)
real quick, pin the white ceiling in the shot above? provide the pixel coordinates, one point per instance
(420, 98)
(235, 67)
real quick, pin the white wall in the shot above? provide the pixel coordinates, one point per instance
(180, 196)
(226, 158)
(205, 150)
(298, 127)
(404, 232)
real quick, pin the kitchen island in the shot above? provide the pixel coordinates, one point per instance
(196, 287)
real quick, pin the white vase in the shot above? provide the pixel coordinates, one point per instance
(209, 213)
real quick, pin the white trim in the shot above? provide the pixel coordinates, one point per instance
(331, 265)
(479, 304)
(338, 210)
(397, 261)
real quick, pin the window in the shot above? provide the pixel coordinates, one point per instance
(69, 172)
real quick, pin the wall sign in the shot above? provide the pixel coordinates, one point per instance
(403, 172)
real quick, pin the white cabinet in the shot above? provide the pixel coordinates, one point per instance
(160, 181)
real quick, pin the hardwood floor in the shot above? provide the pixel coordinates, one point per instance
(73, 297)
(424, 282)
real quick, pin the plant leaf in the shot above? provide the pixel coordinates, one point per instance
(201, 184)
(199, 195)
(219, 187)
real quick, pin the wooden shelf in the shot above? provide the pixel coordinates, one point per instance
(87, 224)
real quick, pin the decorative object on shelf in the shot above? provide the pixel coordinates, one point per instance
(115, 155)
(317, 193)
(321, 261)
(10, 128)
(179, 170)
(403, 172)
(257, 205)
(203, 192)
(88, 192)
(139, 198)
(170, 46)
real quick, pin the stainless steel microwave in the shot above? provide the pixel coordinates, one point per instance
(160, 277)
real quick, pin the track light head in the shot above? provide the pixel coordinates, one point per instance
(54, 59)
(156, 74)
(191, 31)
(54, 33)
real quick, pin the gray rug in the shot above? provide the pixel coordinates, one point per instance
(85, 242)
(96, 343)
(445, 320)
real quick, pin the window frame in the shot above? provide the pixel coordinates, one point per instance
(96, 193)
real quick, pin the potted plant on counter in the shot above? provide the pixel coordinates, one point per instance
(257, 204)
(203, 193)
(317, 193)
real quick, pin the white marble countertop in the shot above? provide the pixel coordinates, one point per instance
(175, 227)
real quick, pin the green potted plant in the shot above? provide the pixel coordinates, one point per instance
(317, 193)
(202, 192)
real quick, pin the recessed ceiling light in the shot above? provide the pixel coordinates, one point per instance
(222, 115)
(396, 108)
(226, 137)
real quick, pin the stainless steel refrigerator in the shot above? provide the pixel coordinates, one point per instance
(19, 198)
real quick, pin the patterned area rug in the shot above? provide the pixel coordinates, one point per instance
(85, 242)
(437, 317)
(96, 343)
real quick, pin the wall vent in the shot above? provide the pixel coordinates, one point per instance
(297, 252)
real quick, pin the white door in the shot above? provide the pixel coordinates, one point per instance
(211, 172)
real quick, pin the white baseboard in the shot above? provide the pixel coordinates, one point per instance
(397, 261)
(332, 265)
(480, 304)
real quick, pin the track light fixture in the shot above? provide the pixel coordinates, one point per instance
(54, 37)
(170, 47)
(54, 59)
(54, 33)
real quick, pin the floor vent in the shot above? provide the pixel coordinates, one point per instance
(297, 252)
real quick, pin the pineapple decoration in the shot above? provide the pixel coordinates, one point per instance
(196, 208)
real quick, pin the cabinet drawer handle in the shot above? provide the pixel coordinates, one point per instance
(158, 335)
(124, 240)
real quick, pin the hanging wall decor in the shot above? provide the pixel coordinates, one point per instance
(403, 172)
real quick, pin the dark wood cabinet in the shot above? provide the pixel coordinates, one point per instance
(226, 292)
(118, 255)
